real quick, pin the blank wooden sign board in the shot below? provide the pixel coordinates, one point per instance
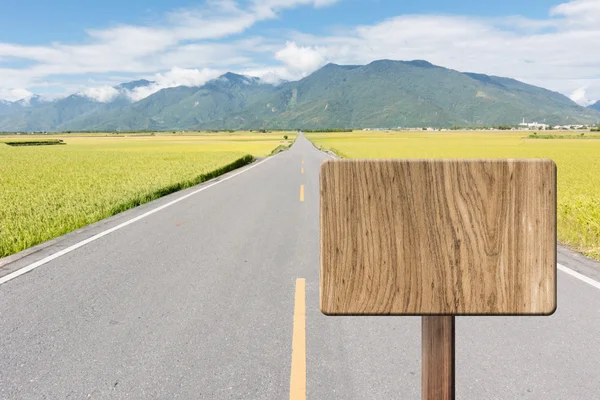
(438, 238)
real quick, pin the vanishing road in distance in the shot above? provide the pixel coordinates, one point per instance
(201, 294)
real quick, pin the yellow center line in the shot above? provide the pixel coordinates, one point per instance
(298, 374)
(301, 192)
(302, 170)
(302, 161)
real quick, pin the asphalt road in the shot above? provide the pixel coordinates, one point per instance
(197, 301)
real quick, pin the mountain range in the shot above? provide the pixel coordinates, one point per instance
(384, 93)
(8, 107)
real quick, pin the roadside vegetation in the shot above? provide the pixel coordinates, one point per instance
(48, 142)
(285, 144)
(328, 130)
(577, 163)
(580, 135)
(48, 191)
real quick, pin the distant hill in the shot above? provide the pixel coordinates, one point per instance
(595, 106)
(383, 93)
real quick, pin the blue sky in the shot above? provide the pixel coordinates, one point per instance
(57, 48)
(67, 20)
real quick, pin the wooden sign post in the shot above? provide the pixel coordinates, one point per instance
(438, 238)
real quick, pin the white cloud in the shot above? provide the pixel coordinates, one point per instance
(301, 59)
(269, 8)
(103, 94)
(209, 55)
(580, 97)
(271, 75)
(147, 49)
(173, 78)
(15, 94)
(578, 11)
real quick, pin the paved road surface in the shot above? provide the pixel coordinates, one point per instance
(197, 300)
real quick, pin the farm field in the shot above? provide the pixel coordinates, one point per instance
(577, 160)
(47, 191)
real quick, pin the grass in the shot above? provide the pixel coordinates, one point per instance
(48, 191)
(581, 135)
(578, 163)
(285, 144)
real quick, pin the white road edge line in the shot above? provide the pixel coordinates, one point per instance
(579, 276)
(69, 249)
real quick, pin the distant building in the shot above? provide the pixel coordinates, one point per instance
(569, 127)
(532, 125)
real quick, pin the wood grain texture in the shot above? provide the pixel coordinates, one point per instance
(437, 359)
(438, 237)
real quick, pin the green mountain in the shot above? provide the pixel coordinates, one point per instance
(76, 111)
(181, 107)
(50, 116)
(383, 94)
(417, 93)
(595, 106)
(15, 107)
(8, 108)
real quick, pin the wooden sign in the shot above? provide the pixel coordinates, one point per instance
(438, 237)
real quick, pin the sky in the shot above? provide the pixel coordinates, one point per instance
(71, 46)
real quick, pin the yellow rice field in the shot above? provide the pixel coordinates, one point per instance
(46, 191)
(577, 160)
